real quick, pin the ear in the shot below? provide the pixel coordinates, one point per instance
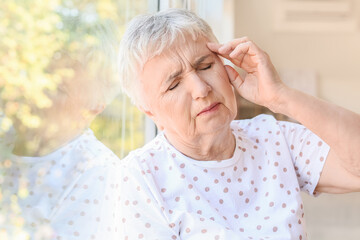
(151, 116)
(146, 111)
(98, 109)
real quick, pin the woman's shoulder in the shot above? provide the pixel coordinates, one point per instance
(151, 153)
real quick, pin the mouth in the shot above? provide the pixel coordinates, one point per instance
(213, 107)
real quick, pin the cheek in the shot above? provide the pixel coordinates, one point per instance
(174, 106)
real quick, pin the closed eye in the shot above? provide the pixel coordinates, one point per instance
(206, 67)
(172, 87)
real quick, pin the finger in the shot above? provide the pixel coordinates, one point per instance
(231, 45)
(240, 50)
(214, 47)
(234, 77)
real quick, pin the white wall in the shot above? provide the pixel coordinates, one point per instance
(334, 56)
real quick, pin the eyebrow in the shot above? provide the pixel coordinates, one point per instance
(195, 65)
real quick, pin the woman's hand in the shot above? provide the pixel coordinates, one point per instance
(261, 84)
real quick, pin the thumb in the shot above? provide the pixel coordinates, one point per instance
(234, 77)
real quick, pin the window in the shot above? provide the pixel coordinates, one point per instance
(66, 39)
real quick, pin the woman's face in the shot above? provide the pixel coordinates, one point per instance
(186, 91)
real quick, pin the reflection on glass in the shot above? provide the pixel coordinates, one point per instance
(57, 71)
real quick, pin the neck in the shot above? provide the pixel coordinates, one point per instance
(43, 141)
(215, 146)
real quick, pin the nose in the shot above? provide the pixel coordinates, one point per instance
(198, 87)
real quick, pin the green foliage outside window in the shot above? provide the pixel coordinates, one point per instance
(44, 42)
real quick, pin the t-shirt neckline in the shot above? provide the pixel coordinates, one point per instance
(210, 163)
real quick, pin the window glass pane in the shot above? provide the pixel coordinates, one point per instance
(47, 45)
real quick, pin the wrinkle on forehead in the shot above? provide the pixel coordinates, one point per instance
(186, 53)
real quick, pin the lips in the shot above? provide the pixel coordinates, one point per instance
(209, 108)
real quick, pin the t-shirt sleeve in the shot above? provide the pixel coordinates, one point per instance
(90, 209)
(142, 208)
(308, 153)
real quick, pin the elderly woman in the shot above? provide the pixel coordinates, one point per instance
(206, 176)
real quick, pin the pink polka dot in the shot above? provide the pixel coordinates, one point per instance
(258, 227)
(275, 229)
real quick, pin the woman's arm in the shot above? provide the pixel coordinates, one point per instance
(338, 127)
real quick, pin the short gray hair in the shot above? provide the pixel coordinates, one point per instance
(150, 35)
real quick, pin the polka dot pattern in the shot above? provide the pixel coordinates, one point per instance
(72, 193)
(223, 199)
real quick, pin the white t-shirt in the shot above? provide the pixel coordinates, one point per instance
(253, 195)
(72, 193)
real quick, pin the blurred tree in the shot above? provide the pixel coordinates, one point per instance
(64, 39)
(44, 43)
